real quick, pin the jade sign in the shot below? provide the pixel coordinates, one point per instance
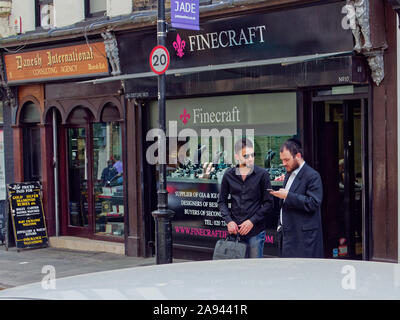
(185, 14)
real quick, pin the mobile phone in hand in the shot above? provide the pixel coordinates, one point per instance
(269, 190)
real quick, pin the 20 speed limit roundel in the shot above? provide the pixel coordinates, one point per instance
(159, 59)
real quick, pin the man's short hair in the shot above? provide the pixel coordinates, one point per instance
(242, 143)
(293, 146)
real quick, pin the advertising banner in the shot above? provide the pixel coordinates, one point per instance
(185, 14)
(262, 44)
(255, 37)
(198, 221)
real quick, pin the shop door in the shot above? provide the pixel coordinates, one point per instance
(79, 182)
(92, 190)
(339, 155)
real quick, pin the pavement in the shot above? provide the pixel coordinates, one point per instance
(28, 266)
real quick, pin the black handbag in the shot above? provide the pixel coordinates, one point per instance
(230, 248)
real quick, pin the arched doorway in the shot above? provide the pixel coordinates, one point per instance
(108, 174)
(93, 192)
(78, 166)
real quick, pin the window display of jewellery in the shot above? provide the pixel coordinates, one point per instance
(208, 170)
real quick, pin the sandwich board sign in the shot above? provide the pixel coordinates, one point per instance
(27, 216)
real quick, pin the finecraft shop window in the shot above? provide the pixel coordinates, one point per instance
(204, 130)
(44, 11)
(95, 8)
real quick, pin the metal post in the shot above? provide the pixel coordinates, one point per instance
(162, 215)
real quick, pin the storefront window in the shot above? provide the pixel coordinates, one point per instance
(201, 134)
(108, 178)
(204, 130)
(44, 13)
(78, 190)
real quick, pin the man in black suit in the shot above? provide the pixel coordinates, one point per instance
(299, 225)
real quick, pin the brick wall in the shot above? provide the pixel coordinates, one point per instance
(139, 5)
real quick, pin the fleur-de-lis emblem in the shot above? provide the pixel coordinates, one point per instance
(184, 116)
(179, 46)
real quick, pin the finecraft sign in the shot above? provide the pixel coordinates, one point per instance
(200, 116)
(227, 38)
(263, 36)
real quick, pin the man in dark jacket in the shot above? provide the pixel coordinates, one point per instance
(299, 225)
(250, 201)
(108, 173)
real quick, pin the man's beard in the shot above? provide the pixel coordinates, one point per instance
(244, 165)
(294, 167)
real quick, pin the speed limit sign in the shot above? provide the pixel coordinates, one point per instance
(159, 59)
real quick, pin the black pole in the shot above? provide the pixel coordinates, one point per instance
(162, 215)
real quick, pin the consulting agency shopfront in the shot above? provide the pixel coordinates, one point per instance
(245, 75)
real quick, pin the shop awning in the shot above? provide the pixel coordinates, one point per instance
(207, 68)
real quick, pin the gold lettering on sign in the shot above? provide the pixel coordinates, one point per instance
(28, 62)
(83, 59)
(55, 58)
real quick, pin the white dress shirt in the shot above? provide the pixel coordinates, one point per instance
(290, 182)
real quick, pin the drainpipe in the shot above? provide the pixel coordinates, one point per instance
(55, 164)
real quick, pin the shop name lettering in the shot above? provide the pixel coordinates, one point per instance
(219, 116)
(227, 38)
(54, 59)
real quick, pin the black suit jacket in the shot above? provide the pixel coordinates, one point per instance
(301, 216)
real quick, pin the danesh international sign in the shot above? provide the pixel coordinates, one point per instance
(57, 63)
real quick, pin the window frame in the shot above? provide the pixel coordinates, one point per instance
(89, 14)
(38, 20)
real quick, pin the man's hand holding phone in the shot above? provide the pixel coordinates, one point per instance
(281, 193)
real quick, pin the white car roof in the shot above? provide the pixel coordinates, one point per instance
(247, 279)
